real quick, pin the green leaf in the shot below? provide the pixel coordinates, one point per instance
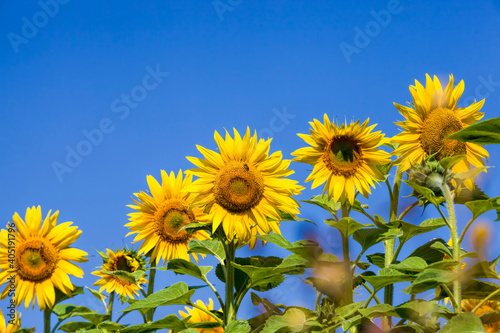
(413, 264)
(378, 310)
(411, 230)
(467, 195)
(348, 310)
(377, 259)
(469, 174)
(60, 296)
(195, 226)
(182, 266)
(204, 325)
(346, 225)
(428, 252)
(450, 161)
(475, 289)
(483, 132)
(110, 326)
(189, 330)
(238, 326)
(387, 276)
(127, 276)
(429, 279)
(293, 319)
(367, 237)
(307, 249)
(212, 247)
(325, 203)
(99, 296)
(176, 294)
(426, 193)
(284, 216)
(464, 322)
(169, 322)
(480, 207)
(73, 326)
(483, 270)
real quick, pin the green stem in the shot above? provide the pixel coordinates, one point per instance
(484, 300)
(229, 310)
(465, 230)
(151, 283)
(450, 295)
(347, 261)
(403, 214)
(110, 305)
(216, 293)
(217, 319)
(457, 291)
(46, 318)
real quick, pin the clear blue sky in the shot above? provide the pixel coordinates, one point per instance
(230, 63)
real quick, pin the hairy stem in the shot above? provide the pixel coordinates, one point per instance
(152, 273)
(110, 305)
(229, 310)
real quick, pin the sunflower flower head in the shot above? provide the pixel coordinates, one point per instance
(161, 215)
(489, 306)
(243, 187)
(430, 119)
(344, 156)
(198, 316)
(132, 267)
(10, 324)
(42, 259)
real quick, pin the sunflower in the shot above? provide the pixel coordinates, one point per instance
(120, 260)
(42, 258)
(469, 304)
(345, 157)
(433, 117)
(198, 316)
(242, 186)
(162, 214)
(13, 324)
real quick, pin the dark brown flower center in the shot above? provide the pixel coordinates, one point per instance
(342, 155)
(36, 260)
(170, 218)
(238, 187)
(438, 125)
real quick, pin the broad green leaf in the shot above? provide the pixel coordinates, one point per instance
(411, 230)
(270, 307)
(182, 266)
(110, 326)
(73, 326)
(204, 325)
(483, 132)
(387, 276)
(195, 226)
(60, 296)
(127, 276)
(189, 330)
(469, 174)
(418, 311)
(367, 237)
(450, 161)
(325, 203)
(293, 319)
(346, 225)
(171, 322)
(413, 264)
(377, 259)
(238, 326)
(378, 310)
(467, 195)
(426, 193)
(429, 279)
(99, 296)
(212, 247)
(176, 294)
(276, 239)
(428, 252)
(464, 322)
(483, 270)
(445, 264)
(348, 310)
(480, 207)
(284, 216)
(305, 248)
(476, 289)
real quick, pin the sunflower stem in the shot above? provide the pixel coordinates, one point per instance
(390, 243)
(151, 283)
(110, 305)
(229, 311)
(457, 290)
(46, 318)
(347, 260)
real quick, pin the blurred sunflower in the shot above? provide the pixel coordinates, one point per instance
(198, 316)
(242, 186)
(433, 117)
(121, 260)
(345, 157)
(469, 304)
(10, 328)
(162, 214)
(42, 260)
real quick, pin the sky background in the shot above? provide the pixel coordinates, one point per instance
(230, 63)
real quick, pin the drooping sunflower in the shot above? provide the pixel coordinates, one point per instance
(432, 117)
(162, 214)
(7, 326)
(120, 260)
(198, 316)
(242, 185)
(345, 157)
(489, 306)
(42, 258)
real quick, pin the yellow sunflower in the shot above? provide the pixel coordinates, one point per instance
(42, 258)
(120, 260)
(242, 185)
(13, 324)
(345, 157)
(200, 316)
(469, 304)
(434, 116)
(162, 214)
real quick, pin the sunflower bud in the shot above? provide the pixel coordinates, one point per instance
(432, 175)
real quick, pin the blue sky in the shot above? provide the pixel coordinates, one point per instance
(157, 78)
